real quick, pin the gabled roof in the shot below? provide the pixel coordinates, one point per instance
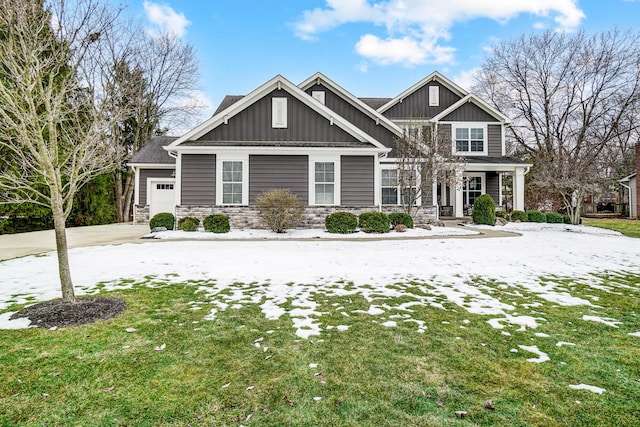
(227, 101)
(153, 152)
(277, 82)
(628, 177)
(477, 101)
(319, 78)
(375, 103)
(434, 76)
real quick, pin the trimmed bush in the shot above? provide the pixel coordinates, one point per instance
(519, 216)
(341, 222)
(566, 219)
(553, 218)
(216, 223)
(162, 219)
(535, 216)
(374, 222)
(484, 210)
(396, 218)
(280, 209)
(188, 223)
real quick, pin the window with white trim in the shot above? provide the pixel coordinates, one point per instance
(434, 96)
(279, 112)
(164, 186)
(232, 182)
(390, 189)
(324, 183)
(471, 190)
(318, 95)
(470, 139)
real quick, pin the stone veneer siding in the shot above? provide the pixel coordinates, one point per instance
(247, 217)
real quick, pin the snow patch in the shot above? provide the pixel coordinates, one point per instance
(542, 356)
(590, 388)
(606, 320)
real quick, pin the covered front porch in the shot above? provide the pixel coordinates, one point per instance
(455, 198)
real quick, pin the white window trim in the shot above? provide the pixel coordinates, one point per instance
(244, 158)
(468, 125)
(335, 159)
(276, 103)
(399, 199)
(434, 96)
(483, 182)
(319, 95)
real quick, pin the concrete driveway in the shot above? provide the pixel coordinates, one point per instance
(36, 242)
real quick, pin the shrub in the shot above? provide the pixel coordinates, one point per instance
(216, 223)
(396, 218)
(374, 222)
(341, 222)
(535, 216)
(567, 219)
(163, 219)
(484, 210)
(519, 216)
(554, 218)
(503, 214)
(188, 223)
(280, 209)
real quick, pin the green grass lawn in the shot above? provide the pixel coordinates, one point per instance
(242, 369)
(628, 227)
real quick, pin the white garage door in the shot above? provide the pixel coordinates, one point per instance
(161, 196)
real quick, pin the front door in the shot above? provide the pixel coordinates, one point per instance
(161, 196)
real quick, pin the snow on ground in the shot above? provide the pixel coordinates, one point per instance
(591, 388)
(606, 320)
(542, 356)
(302, 267)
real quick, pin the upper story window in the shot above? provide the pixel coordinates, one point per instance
(470, 140)
(318, 95)
(434, 96)
(279, 112)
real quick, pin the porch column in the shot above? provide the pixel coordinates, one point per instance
(518, 189)
(459, 201)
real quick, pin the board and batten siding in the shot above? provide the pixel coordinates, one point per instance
(469, 112)
(494, 140)
(357, 180)
(254, 123)
(198, 180)
(267, 172)
(151, 173)
(416, 105)
(354, 115)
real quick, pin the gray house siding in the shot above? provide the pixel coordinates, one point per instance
(354, 115)
(357, 180)
(494, 140)
(269, 172)
(255, 124)
(416, 105)
(493, 187)
(469, 112)
(151, 173)
(198, 176)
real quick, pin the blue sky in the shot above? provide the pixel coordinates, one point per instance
(373, 48)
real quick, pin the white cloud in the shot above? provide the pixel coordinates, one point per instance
(416, 29)
(165, 18)
(466, 79)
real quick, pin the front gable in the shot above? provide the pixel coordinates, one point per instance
(414, 103)
(277, 114)
(254, 123)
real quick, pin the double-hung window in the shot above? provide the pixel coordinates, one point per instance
(389, 181)
(324, 183)
(232, 182)
(470, 140)
(399, 188)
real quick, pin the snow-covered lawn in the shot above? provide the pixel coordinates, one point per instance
(283, 270)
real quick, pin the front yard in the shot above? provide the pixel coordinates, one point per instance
(351, 333)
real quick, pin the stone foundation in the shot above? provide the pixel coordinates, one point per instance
(241, 217)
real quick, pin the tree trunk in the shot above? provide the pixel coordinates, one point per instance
(66, 284)
(118, 196)
(128, 197)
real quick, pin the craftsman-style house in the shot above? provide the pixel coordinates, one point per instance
(333, 150)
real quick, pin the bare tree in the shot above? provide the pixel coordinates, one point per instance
(425, 156)
(53, 122)
(154, 77)
(569, 96)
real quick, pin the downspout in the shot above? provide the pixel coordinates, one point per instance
(135, 206)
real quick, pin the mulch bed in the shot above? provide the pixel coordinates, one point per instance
(60, 313)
